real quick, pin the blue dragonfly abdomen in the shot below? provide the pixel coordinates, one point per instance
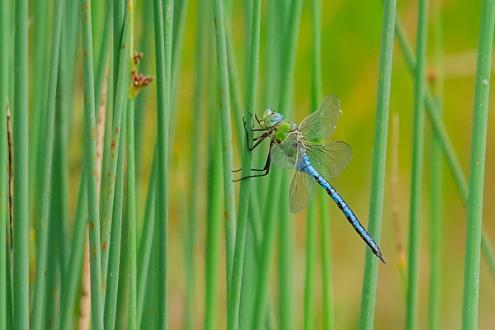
(306, 167)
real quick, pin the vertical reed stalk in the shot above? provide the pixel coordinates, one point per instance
(436, 182)
(311, 219)
(41, 25)
(441, 132)
(326, 269)
(114, 280)
(195, 175)
(71, 283)
(286, 286)
(4, 92)
(146, 240)
(131, 191)
(21, 170)
(368, 293)
(90, 164)
(163, 48)
(213, 229)
(46, 180)
(477, 168)
(121, 90)
(417, 170)
(244, 193)
(225, 119)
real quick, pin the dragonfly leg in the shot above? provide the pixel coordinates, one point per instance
(265, 169)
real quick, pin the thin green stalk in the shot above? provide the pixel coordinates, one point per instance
(21, 169)
(90, 164)
(121, 303)
(41, 24)
(194, 171)
(477, 168)
(46, 181)
(101, 65)
(441, 132)
(163, 48)
(4, 92)
(213, 232)
(53, 285)
(227, 154)
(114, 279)
(436, 183)
(131, 193)
(146, 240)
(244, 194)
(120, 102)
(60, 196)
(326, 269)
(286, 285)
(309, 268)
(312, 213)
(417, 170)
(74, 268)
(368, 292)
(262, 291)
(487, 250)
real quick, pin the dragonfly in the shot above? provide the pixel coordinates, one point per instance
(298, 147)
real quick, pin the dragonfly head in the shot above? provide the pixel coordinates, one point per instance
(270, 118)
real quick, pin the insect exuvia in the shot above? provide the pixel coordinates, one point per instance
(297, 147)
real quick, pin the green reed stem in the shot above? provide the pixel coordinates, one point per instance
(286, 285)
(4, 218)
(41, 24)
(244, 193)
(229, 197)
(477, 168)
(194, 170)
(326, 268)
(436, 183)
(90, 164)
(487, 250)
(262, 290)
(311, 218)
(21, 169)
(101, 65)
(131, 193)
(46, 181)
(368, 292)
(163, 48)
(417, 170)
(120, 102)
(213, 230)
(441, 132)
(114, 280)
(146, 240)
(71, 283)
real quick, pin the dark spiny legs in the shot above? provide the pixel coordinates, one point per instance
(254, 143)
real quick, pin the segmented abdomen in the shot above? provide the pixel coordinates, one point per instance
(306, 167)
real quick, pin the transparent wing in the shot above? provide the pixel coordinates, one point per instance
(329, 159)
(301, 190)
(285, 154)
(321, 123)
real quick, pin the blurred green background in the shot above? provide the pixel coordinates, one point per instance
(350, 55)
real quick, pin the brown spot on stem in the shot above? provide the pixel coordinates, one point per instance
(91, 226)
(104, 245)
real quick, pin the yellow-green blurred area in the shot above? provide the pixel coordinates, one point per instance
(351, 34)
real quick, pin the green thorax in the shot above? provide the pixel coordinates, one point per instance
(283, 129)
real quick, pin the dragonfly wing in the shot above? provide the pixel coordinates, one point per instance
(321, 123)
(285, 154)
(329, 159)
(301, 190)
